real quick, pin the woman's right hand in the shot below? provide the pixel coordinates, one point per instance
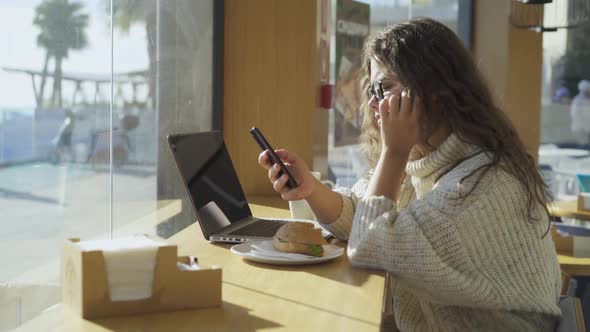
(297, 167)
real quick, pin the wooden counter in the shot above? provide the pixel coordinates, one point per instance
(324, 297)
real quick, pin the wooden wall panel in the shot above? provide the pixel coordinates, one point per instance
(511, 61)
(490, 40)
(270, 81)
(523, 97)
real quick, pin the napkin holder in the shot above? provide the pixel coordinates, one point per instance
(85, 287)
(584, 202)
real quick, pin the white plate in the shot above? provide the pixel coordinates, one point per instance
(263, 252)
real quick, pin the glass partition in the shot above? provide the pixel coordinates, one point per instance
(91, 89)
(565, 110)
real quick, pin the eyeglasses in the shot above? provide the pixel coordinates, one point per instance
(376, 90)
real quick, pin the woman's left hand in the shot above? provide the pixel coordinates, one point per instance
(400, 124)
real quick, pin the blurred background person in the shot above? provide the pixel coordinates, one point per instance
(62, 142)
(580, 113)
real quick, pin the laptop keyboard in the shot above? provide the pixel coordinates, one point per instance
(261, 228)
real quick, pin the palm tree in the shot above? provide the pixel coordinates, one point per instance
(62, 29)
(125, 14)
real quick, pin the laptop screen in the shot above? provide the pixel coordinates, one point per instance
(209, 175)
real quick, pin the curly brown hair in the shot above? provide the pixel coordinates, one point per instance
(428, 59)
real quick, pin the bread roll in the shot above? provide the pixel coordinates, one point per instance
(299, 238)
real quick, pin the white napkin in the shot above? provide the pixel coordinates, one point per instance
(130, 264)
(265, 249)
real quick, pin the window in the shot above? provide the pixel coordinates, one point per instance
(565, 114)
(346, 161)
(90, 94)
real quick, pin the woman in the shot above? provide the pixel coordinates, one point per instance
(454, 207)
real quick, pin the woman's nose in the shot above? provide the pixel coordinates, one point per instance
(373, 103)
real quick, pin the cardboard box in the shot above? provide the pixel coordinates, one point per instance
(85, 288)
(576, 243)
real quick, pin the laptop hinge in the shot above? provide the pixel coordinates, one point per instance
(238, 224)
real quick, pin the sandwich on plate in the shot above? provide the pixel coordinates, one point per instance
(299, 238)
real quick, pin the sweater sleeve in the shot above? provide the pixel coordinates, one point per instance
(350, 197)
(432, 263)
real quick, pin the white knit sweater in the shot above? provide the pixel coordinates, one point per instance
(461, 264)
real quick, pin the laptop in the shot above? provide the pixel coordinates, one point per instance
(215, 191)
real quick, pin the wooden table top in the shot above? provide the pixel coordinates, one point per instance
(574, 266)
(323, 297)
(568, 209)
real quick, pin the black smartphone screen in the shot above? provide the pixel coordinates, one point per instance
(264, 145)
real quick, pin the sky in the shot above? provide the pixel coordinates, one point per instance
(18, 38)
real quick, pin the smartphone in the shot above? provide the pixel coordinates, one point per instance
(263, 143)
